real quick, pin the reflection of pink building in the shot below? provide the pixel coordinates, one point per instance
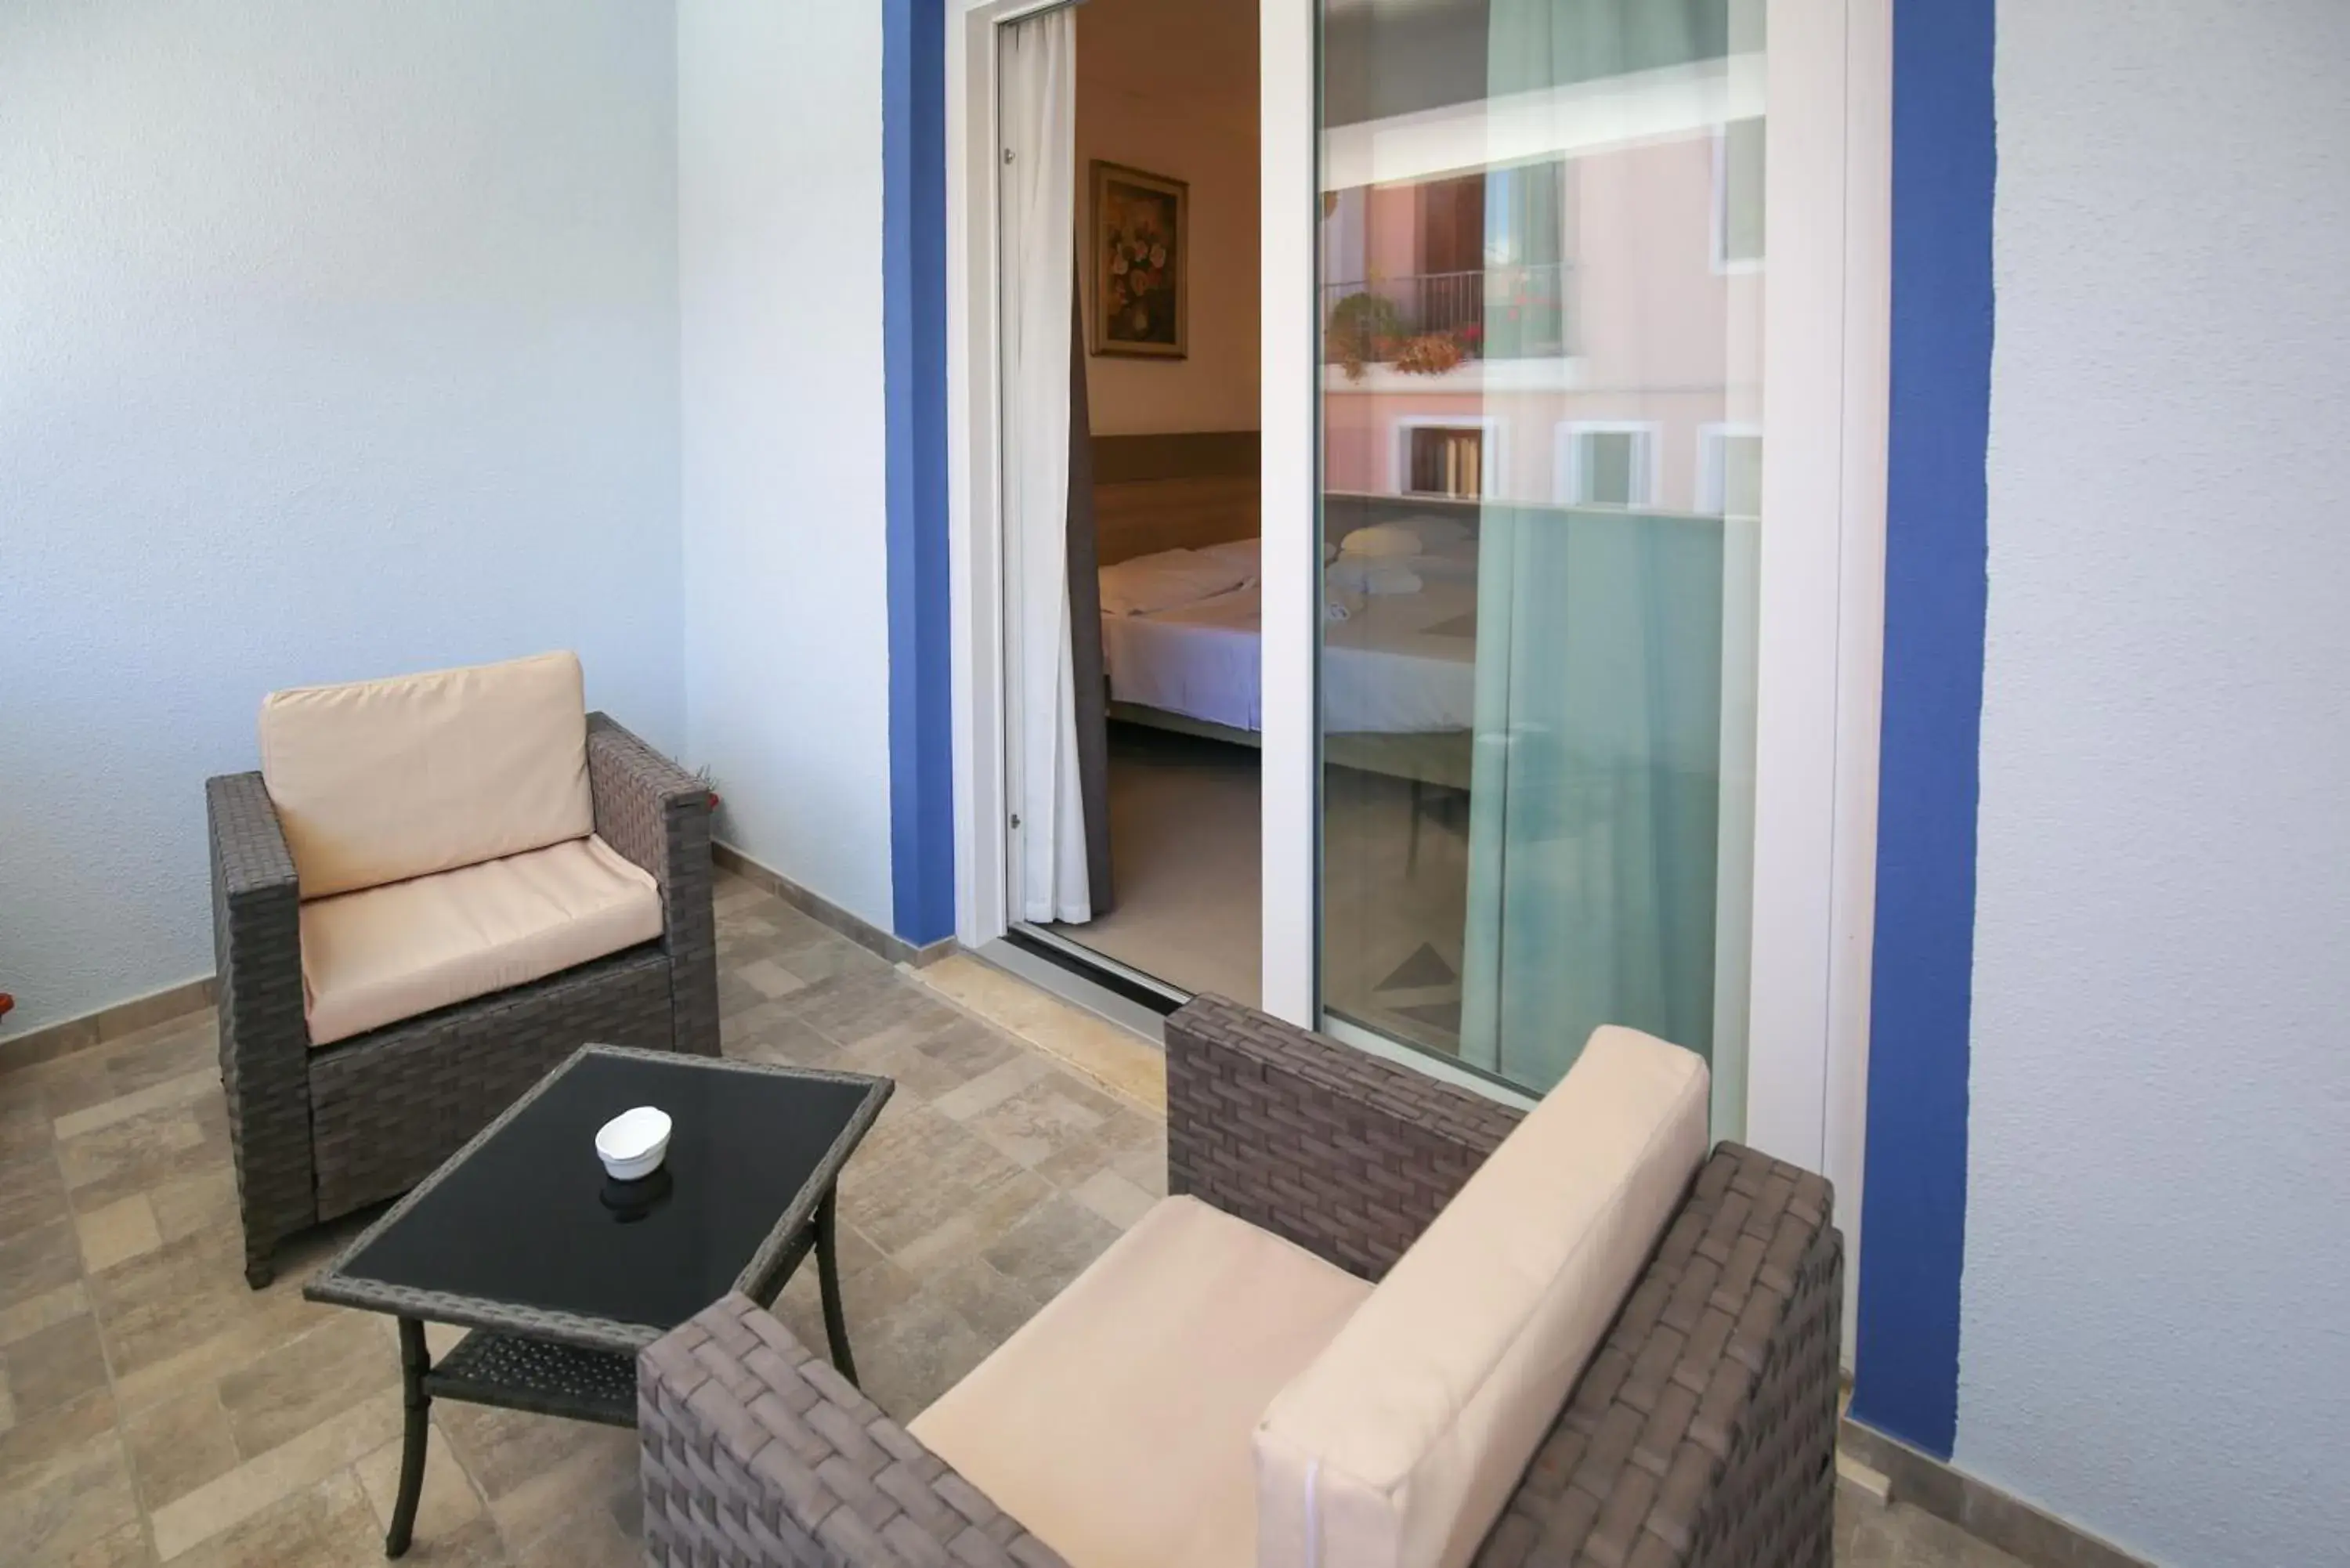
(1642, 388)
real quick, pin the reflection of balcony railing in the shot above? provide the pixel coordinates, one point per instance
(1500, 312)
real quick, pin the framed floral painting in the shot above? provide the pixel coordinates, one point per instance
(1140, 239)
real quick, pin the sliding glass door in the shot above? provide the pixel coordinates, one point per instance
(1541, 444)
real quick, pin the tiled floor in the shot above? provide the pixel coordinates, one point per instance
(151, 1409)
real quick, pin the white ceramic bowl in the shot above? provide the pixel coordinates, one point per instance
(631, 1144)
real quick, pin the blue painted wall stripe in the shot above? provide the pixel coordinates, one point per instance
(914, 334)
(1913, 1218)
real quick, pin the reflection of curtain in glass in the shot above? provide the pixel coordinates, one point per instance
(1534, 44)
(1594, 815)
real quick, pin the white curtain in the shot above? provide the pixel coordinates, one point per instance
(1037, 92)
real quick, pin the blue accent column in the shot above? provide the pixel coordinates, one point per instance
(914, 345)
(1913, 1221)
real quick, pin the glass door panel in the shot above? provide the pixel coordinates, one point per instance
(1541, 254)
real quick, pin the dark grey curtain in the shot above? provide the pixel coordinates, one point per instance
(1085, 623)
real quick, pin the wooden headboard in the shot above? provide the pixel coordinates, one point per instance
(1154, 492)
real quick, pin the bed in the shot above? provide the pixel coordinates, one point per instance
(1181, 644)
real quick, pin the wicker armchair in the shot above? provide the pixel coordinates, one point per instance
(1702, 1433)
(320, 1132)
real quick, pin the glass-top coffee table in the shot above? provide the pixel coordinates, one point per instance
(565, 1274)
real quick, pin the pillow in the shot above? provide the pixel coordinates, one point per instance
(379, 781)
(1172, 577)
(1381, 539)
(1376, 577)
(1401, 1442)
(1247, 554)
(1435, 533)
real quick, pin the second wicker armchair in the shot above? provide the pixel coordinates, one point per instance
(437, 888)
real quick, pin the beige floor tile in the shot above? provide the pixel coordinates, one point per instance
(1126, 1135)
(123, 1547)
(130, 1064)
(1052, 1245)
(280, 1396)
(896, 1053)
(7, 1406)
(44, 1259)
(584, 1541)
(35, 1312)
(919, 1174)
(182, 1312)
(503, 1450)
(56, 1367)
(852, 1008)
(916, 1354)
(24, 1122)
(269, 1320)
(326, 1523)
(824, 956)
(583, 1476)
(32, 1193)
(1114, 1197)
(135, 1154)
(178, 1090)
(64, 1481)
(1055, 1115)
(179, 1444)
(291, 1467)
(445, 1506)
(117, 1233)
(992, 1087)
(984, 1298)
(203, 1201)
(770, 979)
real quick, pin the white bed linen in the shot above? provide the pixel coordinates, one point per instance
(1171, 578)
(1398, 664)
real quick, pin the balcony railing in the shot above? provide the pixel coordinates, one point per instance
(1501, 312)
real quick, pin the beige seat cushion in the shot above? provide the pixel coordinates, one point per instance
(382, 954)
(1399, 1446)
(1115, 1423)
(383, 780)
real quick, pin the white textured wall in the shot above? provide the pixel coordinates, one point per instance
(337, 337)
(2155, 1342)
(787, 624)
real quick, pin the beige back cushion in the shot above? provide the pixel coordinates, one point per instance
(1397, 1447)
(383, 780)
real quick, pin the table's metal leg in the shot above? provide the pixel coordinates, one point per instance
(828, 1271)
(415, 1363)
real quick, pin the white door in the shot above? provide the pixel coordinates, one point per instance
(1577, 723)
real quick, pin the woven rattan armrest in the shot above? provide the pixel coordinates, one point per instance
(1702, 1434)
(265, 1040)
(657, 814)
(1345, 1155)
(756, 1452)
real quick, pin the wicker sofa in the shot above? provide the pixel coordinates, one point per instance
(1698, 1430)
(354, 1066)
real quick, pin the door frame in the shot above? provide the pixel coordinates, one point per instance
(1818, 674)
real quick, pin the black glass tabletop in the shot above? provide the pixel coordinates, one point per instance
(525, 1218)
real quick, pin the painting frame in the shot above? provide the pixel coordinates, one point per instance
(1121, 196)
